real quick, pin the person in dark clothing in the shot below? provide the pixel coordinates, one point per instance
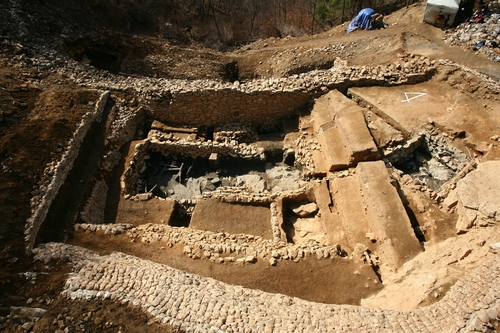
(445, 22)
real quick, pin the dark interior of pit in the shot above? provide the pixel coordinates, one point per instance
(162, 170)
(107, 54)
(425, 169)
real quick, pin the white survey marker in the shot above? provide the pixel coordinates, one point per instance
(418, 94)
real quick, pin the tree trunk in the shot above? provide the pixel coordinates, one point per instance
(312, 21)
(210, 4)
(343, 9)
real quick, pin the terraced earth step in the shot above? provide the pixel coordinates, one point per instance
(389, 221)
(342, 132)
(350, 207)
(358, 136)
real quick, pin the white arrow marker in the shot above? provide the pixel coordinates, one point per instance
(412, 93)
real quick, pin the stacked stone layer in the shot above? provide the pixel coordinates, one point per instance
(220, 247)
(58, 173)
(198, 304)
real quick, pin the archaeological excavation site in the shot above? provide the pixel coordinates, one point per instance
(157, 180)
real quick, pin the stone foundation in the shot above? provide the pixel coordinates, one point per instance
(93, 212)
(198, 304)
(58, 174)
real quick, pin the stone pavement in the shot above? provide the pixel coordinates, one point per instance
(199, 304)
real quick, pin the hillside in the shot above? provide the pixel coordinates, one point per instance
(164, 177)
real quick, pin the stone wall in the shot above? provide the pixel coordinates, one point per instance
(198, 304)
(257, 102)
(59, 172)
(167, 145)
(108, 229)
(264, 102)
(221, 106)
(221, 247)
(93, 212)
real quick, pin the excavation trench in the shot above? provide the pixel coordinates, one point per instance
(239, 181)
(69, 200)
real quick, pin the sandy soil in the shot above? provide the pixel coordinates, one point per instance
(36, 123)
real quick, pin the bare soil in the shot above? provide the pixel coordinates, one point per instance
(36, 123)
(216, 216)
(310, 279)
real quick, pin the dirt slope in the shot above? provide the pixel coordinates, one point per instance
(37, 121)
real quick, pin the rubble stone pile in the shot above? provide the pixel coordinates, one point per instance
(483, 37)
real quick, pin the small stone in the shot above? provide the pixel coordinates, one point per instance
(273, 261)
(319, 253)
(144, 196)
(495, 248)
(27, 326)
(251, 259)
(371, 237)
(303, 210)
(451, 200)
(483, 316)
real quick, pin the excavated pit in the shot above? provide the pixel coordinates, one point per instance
(259, 198)
(311, 189)
(233, 181)
(432, 166)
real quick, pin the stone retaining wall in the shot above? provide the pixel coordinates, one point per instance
(215, 107)
(258, 102)
(113, 229)
(203, 149)
(167, 145)
(264, 102)
(198, 304)
(221, 247)
(59, 172)
(93, 212)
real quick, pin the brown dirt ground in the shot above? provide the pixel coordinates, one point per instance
(216, 216)
(29, 141)
(406, 33)
(315, 280)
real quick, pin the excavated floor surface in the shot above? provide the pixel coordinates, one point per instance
(460, 106)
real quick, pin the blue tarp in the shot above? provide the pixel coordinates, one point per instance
(362, 20)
